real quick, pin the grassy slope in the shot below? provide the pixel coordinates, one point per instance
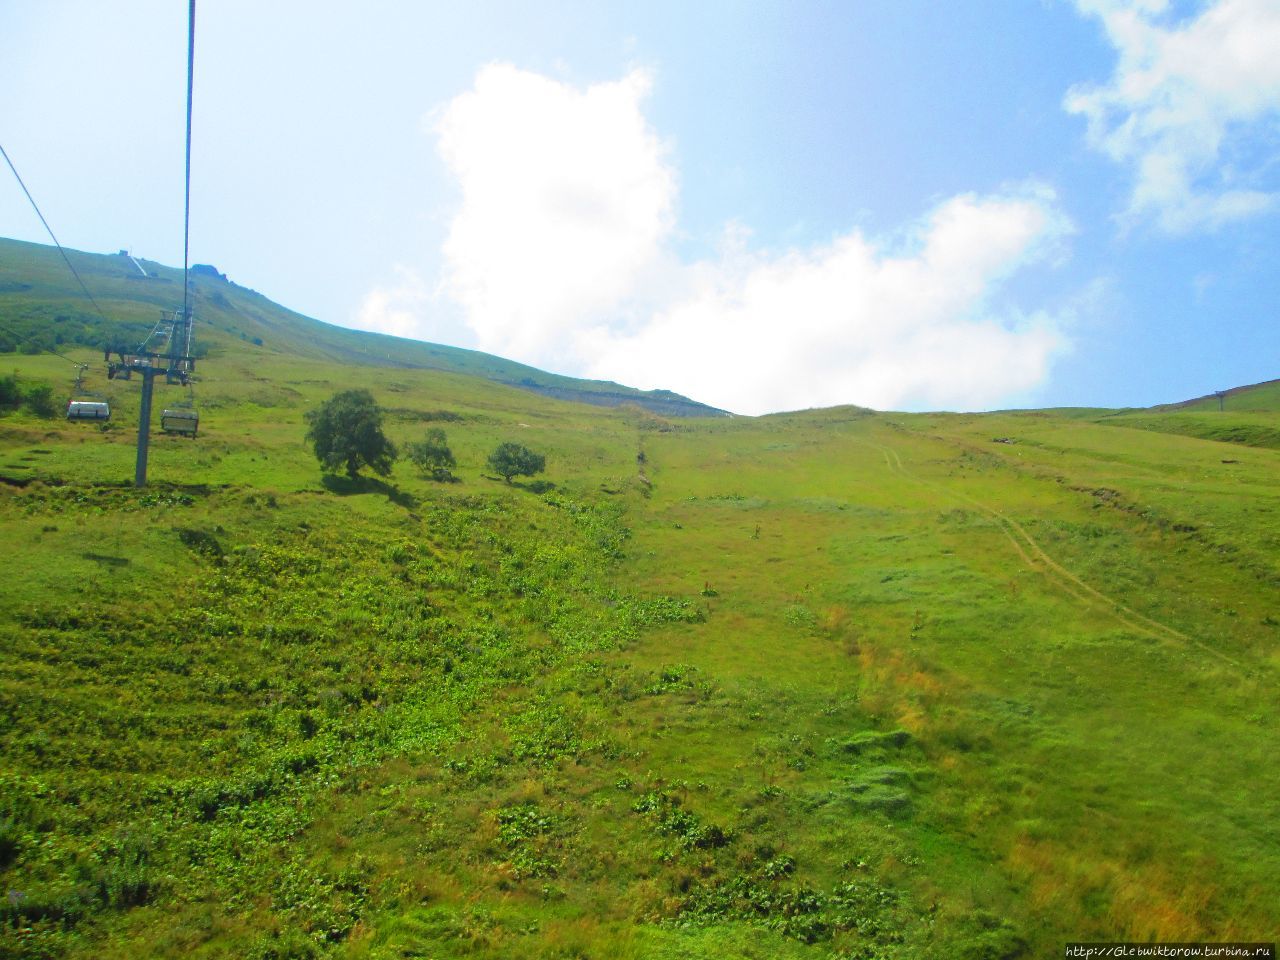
(37, 293)
(410, 719)
(1256, 396)
(1247, 417)
(1082, 738)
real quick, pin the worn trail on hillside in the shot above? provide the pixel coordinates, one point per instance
(1037, 559)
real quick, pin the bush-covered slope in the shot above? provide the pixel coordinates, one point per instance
(812, 685)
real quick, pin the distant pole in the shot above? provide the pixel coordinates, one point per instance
(144, 427)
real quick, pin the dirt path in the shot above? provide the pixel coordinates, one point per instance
(1035, 557)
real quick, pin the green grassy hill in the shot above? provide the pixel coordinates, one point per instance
(39, 297)
(1255, 397)
(813, 685)
(1247, 427)
(1245, 415)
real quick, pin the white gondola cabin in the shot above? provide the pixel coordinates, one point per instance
(181, 420)
(88, 410)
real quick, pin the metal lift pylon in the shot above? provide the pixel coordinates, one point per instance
(176, 363)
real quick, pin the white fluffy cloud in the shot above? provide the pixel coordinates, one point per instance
(398, 309)
(566, 201)
(561, 254)
(855, 321)
(1183, 104)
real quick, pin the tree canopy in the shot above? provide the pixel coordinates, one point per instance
(515, 460)
(346, 432)
(433, 456)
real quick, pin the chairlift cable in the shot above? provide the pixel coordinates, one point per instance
(186, 213)
(21, 339)
(67, 259)
(183, 419)
(154, 330)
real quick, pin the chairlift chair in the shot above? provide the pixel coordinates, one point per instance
(88, 410)
(84, 405)
(180, 420)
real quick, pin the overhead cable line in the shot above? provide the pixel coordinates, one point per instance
(21, 339)
(186, 209)
(67, 259)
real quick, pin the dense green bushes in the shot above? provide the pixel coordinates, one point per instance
(294, 661)
(38, 398)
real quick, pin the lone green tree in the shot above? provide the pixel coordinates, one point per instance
(346, 432)
(515, 460)
(433, 456)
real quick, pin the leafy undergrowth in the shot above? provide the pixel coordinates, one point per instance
(168, 746)
(376, 737)
(824, 685)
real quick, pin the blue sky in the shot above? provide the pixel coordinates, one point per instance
(907, 205)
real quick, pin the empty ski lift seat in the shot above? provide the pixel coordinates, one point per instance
(88, 410)
(180, 421)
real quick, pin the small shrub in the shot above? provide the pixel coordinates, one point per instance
(10, 392)
(672, 679)
(801, 616)
(870, 740)
(10, 842)
(200, 541)
(990, 938)
(285, 945)
(39, 400)
(433, 456)
(125, 879)
(779, 867)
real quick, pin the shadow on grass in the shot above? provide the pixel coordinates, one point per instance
(533, 486)
(345, 486)
(106, 560)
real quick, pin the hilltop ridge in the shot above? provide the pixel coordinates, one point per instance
(38, 297)
(1264, 396)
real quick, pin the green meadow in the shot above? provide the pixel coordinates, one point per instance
(824, 684)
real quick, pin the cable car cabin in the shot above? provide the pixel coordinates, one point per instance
(180, 421)
(88, 410)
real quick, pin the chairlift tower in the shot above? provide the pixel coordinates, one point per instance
(174, 330)
(168, 348)
(173, 334)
